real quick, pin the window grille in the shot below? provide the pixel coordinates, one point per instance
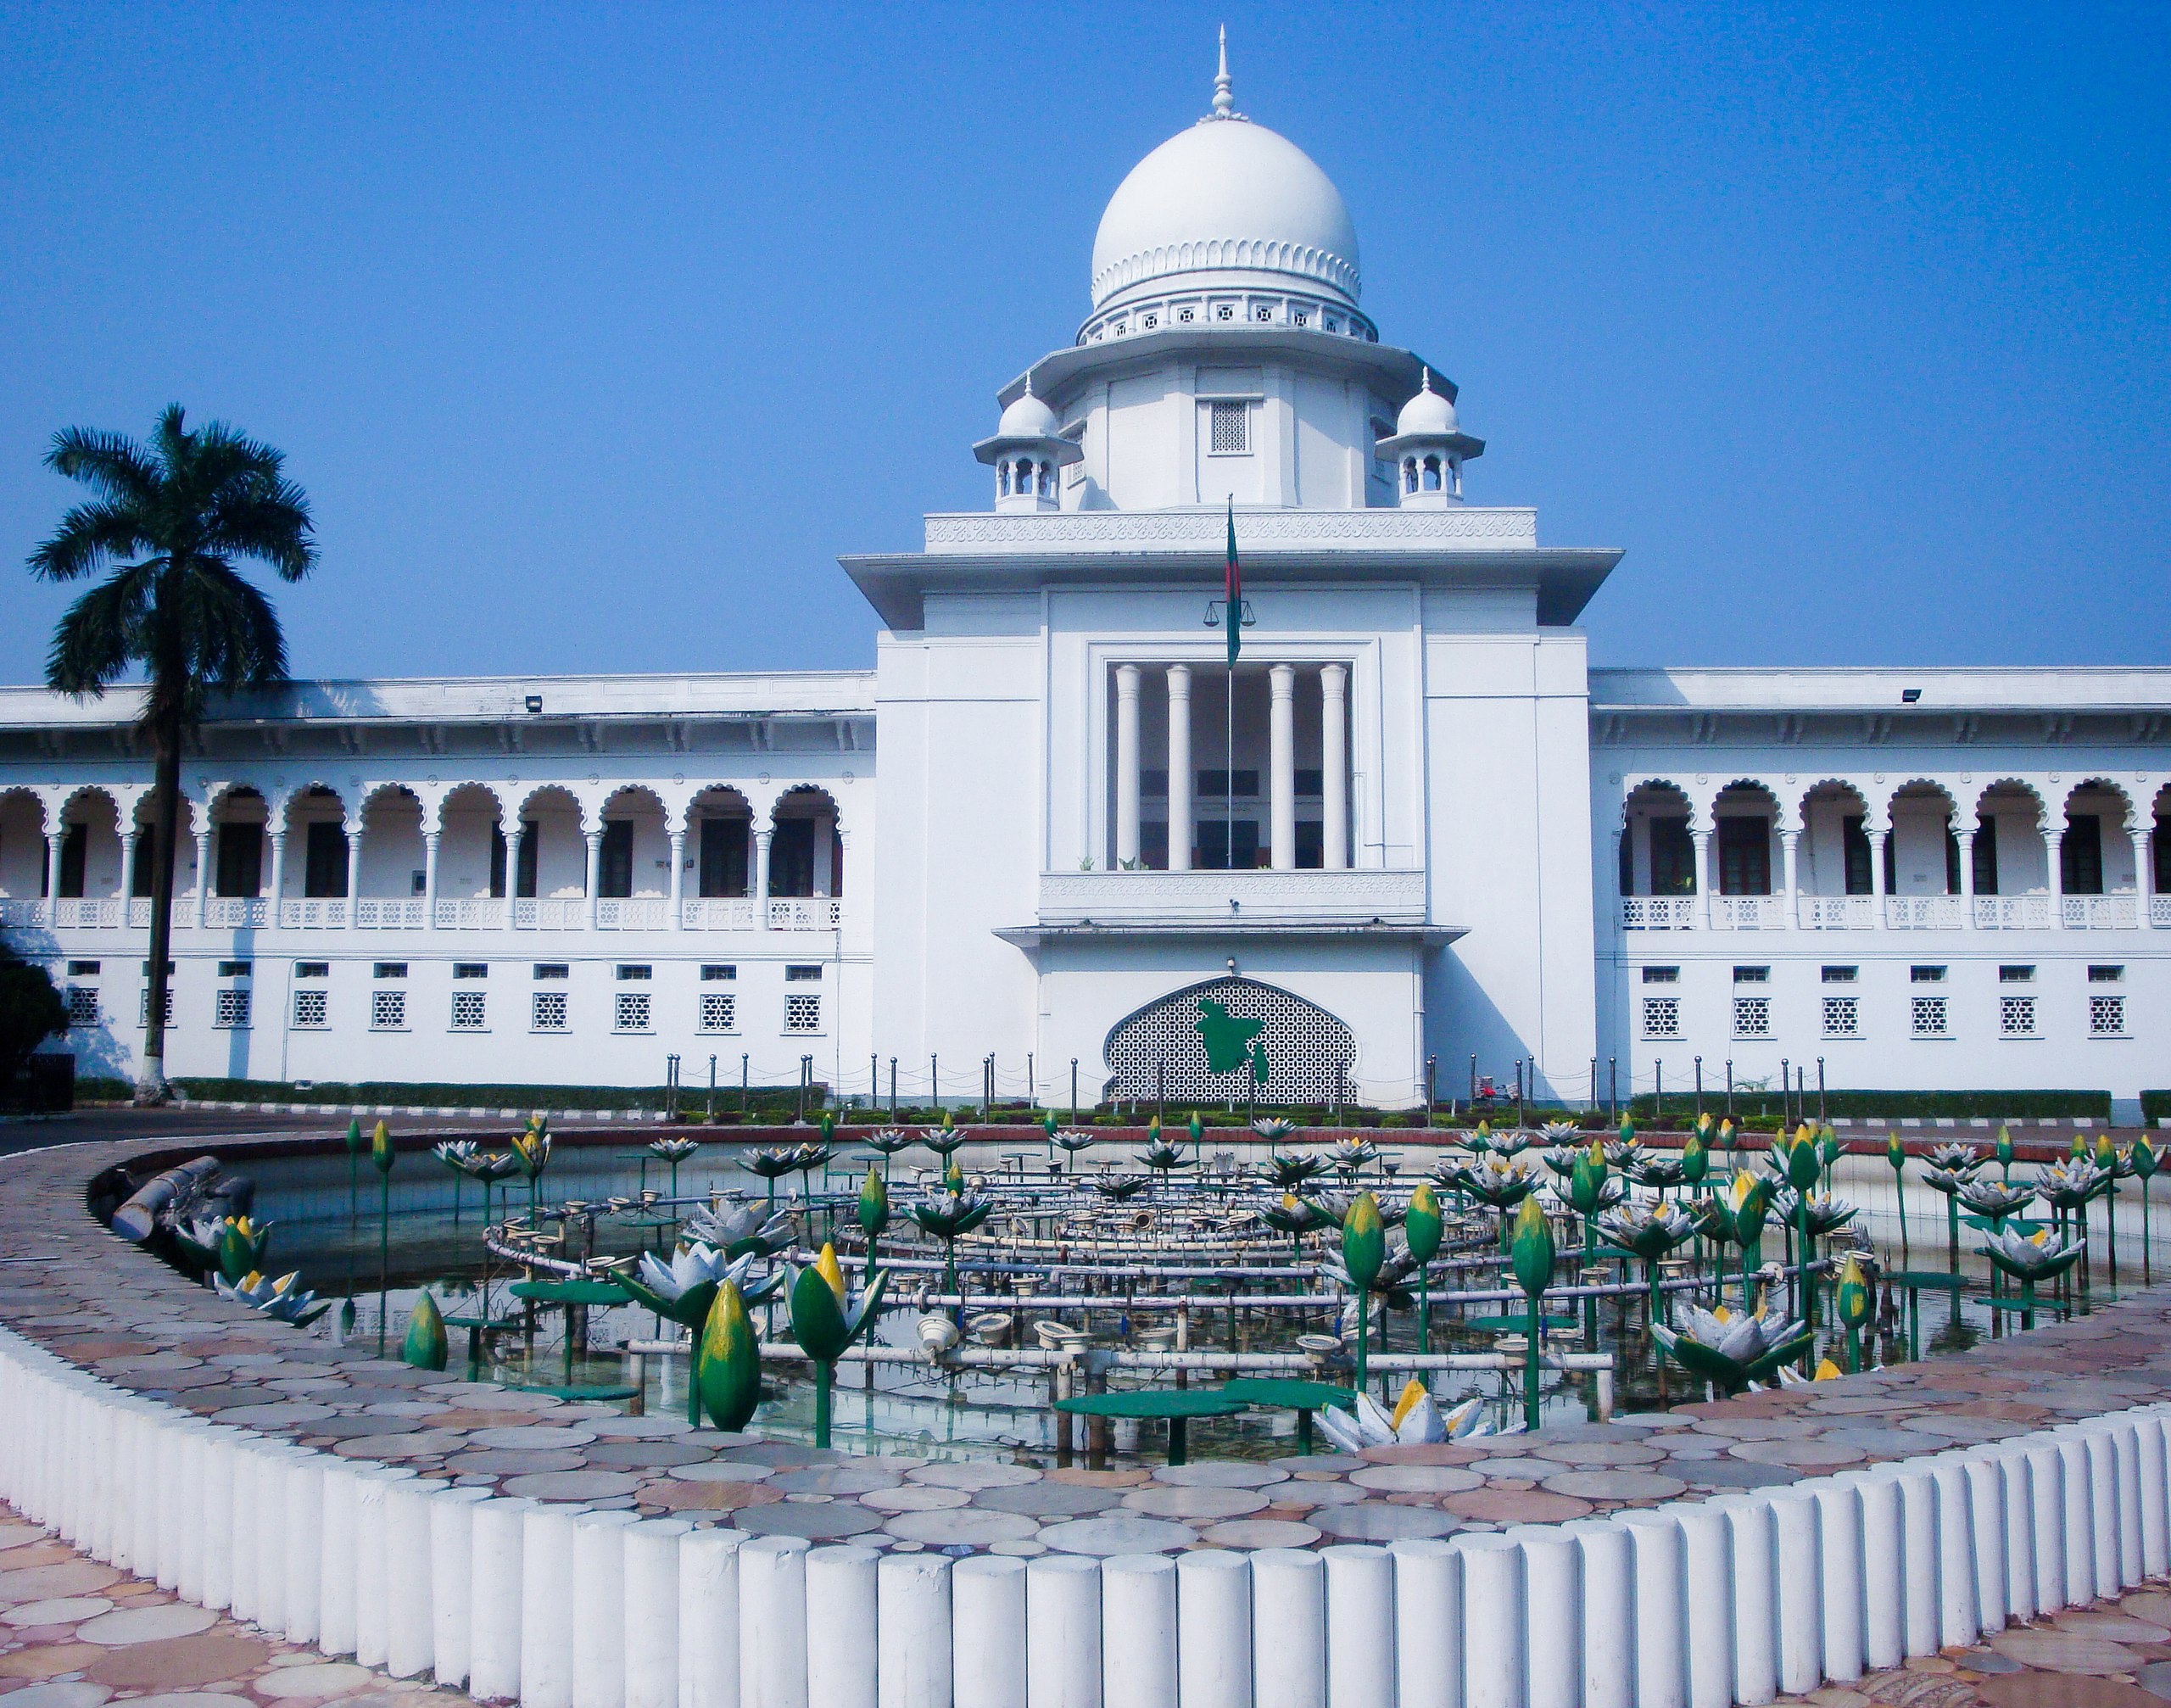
(1843, 1017)
(1839, 976)
(1752, 1017)
(802, 1012)
(551, 1011)
(230, 1010)
(719, 1011)
(1232, 428)
(1661, 1017)
(1928, 1015)
(2106, 1017)
(1661, 975)
(143, 1006)
(312, 1009)
(2016, 1017)
(630, 1011)
(469, 1008)
(312, 969)
(82, 969)
(388, 1011)
(82, 1005)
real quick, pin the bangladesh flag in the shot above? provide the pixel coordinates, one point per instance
(1232, 588)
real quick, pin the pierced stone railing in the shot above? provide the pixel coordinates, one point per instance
(1658, 912)
(390, 913)
(719, 913)
(471, 913)
(631, 913)
(1837, 913)
(2099, 913)
(551, 913)
(805, 912)
(88, 914)
(1748, 912)
(2012, 912)
(1926, 913)
(313, 913)
(236, 913)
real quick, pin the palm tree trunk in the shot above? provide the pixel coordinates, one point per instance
(165, 825)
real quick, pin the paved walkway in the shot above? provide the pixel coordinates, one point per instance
(76, 1634)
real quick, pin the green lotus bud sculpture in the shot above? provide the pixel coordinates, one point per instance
(1196, 1127)
(2145, 1159)
(1744, 1203)
(1530, 1256)
(381, 1156)
(1696, 1155)
(1851, 1300)
(356, 1144)
(2003, 1151)
(1422, 1229)
(1363, 1249)
(824, 1324)
(685, 1290)
(426, 1347)
(727, 1364)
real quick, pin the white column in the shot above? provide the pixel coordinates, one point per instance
(1702, 839)
(1334, 767)
(202, 867)
(2145, 870)
(1281, 805)
(2054, 845)
(1789, 843)
(128, 868)
(678, 880)
(594, 840)
(54, 841)
(1877, 836)
(1180, 778)
(761, 876)
(1127, 765)
(354, 870)
(430, 840)
(278, 874)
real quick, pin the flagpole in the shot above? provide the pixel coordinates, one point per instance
(1229, 767)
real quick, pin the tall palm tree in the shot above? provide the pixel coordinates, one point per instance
(170, 519)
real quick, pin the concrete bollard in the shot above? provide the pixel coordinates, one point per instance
(2018, 1522)
(187, 1509)
(244, 1502)
(2126, 1442)
(144, 1485)
(708, 1618)
(1955, 1552)
(1706, 1603)
(843, 1663)
(1492, 1621)
(1289, 1600)
(304, 1543)
(2047, 1471)
(1752, 1599)
(599, 1609)
(1884, 1556)
(1063, 1631)
(2077, 1520)
(1839, 1577)
(217, 1587)
(2149, 1492)
(372, 1580)
(1986, 1528)
(497, 1548)
(546, 1606)
(651, 1604)
(452, 1583)
(338, 1559)
(1214, 1629)
(2105, 1507)
(772, 1615)
(410, 1578)
(917, 1666)
(1428, 1641)
(1360, 1625)
(1552, 1634)
(987, 1665)
(1138, 1631)
(1655, 1558)
(1605, 1638)
(165, 1568)
(1795, 1581)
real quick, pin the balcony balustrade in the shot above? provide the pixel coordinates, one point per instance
(2099, 913)
(1925, 912)
(631, 913)
(2012, 912)
(22, 910)
(551, 913)
(471, 913)
(719, 913)
(90, 915)
(313, 913)
(1748, 912)
(805, 912)
(237, 912)
(390, 913)
(2159, 911)
(1836, 912)
(1658, 912)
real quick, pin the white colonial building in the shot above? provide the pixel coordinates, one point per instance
(1414, 834)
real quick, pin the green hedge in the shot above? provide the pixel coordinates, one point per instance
(2155, 1106)
(2019, 1105)
(691, 1098)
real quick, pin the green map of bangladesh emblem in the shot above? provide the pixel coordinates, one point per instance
(1230, 1042)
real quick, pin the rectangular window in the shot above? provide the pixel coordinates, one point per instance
(2106, 1017)
(723, 858)
(471, 969)
(2016, 975)
(312, 1009)
(801, 973)
(312, 969)
(1951, 863)
(1925, 975)
(1853, 842)
(1752, 975)
(140, 864)
(528, 856)
(1311, 781)
(236, 970)
(241, 860)
(1153, 785)
(82, 969)
(802, 1012)
(1230, 435)
(1839, 976)
(74, 853)
(1661, 975)
(497, 862)
(719, 1011)
(324, 859)
(635, 971)
(82, 1005)
(629, 1012)
(552, 970)
(2162, 857)
(144, 968)
(1311, 845)
(2016, 1017)
(614, 868)
(230, 1010)
(791, 857)
(1227, 845)
(1986, 856)
(1673, 856)
(1752, 1017)
(391, 969)
(143, 1007)
(713, 974)
(1661, 1017)
(1929, 1015)
(469, 1008)
(2081, 854)
(550, 1011)
(418, 883)
(388, 1011)
(1744, 856)
(2107, 975)
(1154, 844)
(1214, 785)
(1843, 1017)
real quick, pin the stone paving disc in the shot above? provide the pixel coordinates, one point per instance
(832, 1479)
(1430, 1452)
(67, 1694)
(47, 1583)
(1320, 1464)
(721, 1470)
(967, 1526)
(830, 1521)
(1260, 1532)
(1803, 1456)
(1416, 1479)
(572, 1485)
(645, 1428)
(1163, 1502)
(1515, 1506)
(2120, 1627)
(1534, 1469)
(1895, 1441)
(1739, 1473)
(540, 1436)
(973, 1473)
(707, 1497)
(1118, 1532)
(1757, 1428)
(1615, 1485)
(783, 1455)
(1079, 1476)
(511, 1463)
(49, 1659)
(421, 1443)
(1381, 1520)
(1036, 1499)
(2056, 1651)
(1297, 1493)
(211, 1657)
(67, 1610)
(130, 1625)
(1599, 1453)
(319, 1679)
(642, 1455)
(1947, 1426)
(1220, 1473)
(913, 1497)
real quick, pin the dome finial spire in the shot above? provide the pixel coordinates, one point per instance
(1225, 96)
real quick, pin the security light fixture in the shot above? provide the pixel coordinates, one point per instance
(534, 702)
(1908, 696)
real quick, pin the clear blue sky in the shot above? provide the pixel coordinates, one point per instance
(596, 333)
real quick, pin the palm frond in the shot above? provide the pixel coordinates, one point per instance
(267, 519)
(100, 635)
(90, 536)
(237, 643)
(110, 463)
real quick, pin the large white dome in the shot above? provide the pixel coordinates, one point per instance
(1225, 196)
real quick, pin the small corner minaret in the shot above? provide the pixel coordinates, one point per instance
(1028, 449)
(1428, 449)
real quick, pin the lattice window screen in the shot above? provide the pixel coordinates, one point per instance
(1304, 1044)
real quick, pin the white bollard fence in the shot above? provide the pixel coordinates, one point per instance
(1693, 1605)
